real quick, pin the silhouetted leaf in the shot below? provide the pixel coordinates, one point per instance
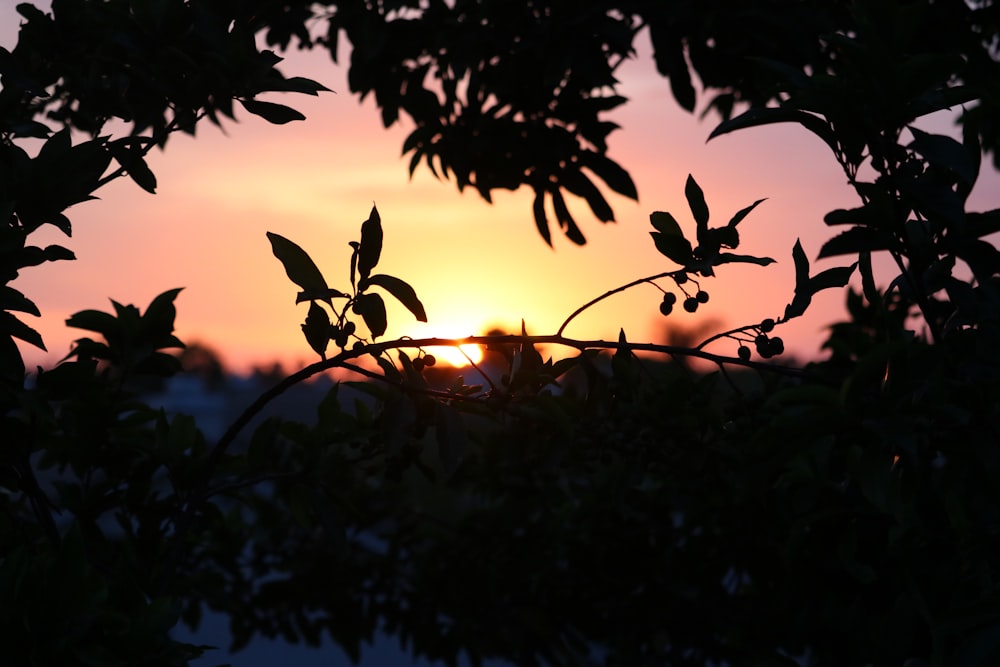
(161, 312)
(836, 277)
(742, 213)
(12, 299)
(855, 240)
(868, 277)
(675, 248)
(12, 326)
(371, 244)
(803, 297)
(941, 99)
(541, 221)
(566, 221)
(129, 155)
(577, 183)
(983, 223)
(665, 223)
(946, 152)
(610, 172)
(771, 115)
(53, 253)
(297, 84)
(93, 320)
(371, 308)
(668, 52)
(278, 114)
(403, 293)
(317, 329)
(299, 267)
(801, 265)
(730, 258)
(699, 209)
(322, 295)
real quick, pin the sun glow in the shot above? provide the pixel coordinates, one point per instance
(458, 356)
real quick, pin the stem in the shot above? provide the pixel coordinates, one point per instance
(648, 279)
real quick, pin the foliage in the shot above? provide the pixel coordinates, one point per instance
(597, 507)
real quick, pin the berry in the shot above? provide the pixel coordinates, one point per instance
(690, 304)
(680, 278)
(763, 345)
(418, 364)
(777, 346)
(350, 328)
(702, 296)
(767, 326)
(429, 360)
(358, 345)
(669, 298)
(743, 353)
(666, 308)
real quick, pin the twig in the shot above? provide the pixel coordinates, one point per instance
(647, 279)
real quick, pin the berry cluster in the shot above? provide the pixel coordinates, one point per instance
(690, 303)
(340, 335)
(767, 346)
(426, 361)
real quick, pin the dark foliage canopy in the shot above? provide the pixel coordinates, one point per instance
(594, 508)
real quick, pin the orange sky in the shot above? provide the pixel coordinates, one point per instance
(474, 265)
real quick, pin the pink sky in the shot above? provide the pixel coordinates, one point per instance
(474, 265)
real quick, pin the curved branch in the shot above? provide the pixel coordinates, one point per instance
(647, 279)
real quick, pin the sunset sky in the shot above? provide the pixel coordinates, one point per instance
(474, 265)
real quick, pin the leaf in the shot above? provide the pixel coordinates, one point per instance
(856, 240)
(770, 115)
(371, 308)
(278, 114)
(696, 200)
(400, 289)
(943, 98)
(541, 221)
(54, 253)
(93, 320)
(742, 213)
(867, 277)
(577, 183)
(450, 432)
(983, 223)
(298, 84)
(610, 172)
(371, 244)
(675, 248)
(161, 312)
(317, 329)
(803, 297)
(566, 221)
(801, 265)
(12, 299)
(299, 267)
(668, 52)
(18, 329)
(129, 155)
(665, 223)
(838, 276)
(730, 258)
(322, 295)
(945, 151)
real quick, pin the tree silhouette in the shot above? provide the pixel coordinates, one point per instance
(844, 512)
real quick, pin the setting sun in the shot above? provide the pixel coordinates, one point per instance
(458, 357)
